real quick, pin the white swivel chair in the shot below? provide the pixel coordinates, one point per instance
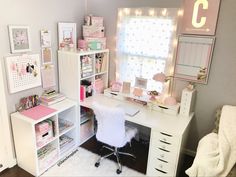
(112, 131)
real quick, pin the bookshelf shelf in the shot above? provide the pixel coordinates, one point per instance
(40, 139)
(67, 130)
(48, 142)
(88, 75)
(101, 73)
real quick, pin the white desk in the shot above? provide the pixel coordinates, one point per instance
(168, 134)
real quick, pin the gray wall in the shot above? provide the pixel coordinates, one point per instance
(221, 87)
(38, 14)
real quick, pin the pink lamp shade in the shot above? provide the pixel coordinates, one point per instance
(161, 77)
(170, 101)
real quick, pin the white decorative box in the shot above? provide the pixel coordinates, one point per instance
(93, 31)
(187, 101)
(97, 21)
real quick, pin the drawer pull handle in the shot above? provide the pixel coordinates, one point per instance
(165, 142)
(113, 94)
(166, 134)
(1, 165)
(160, 171)
(164, 150)
(162, 160)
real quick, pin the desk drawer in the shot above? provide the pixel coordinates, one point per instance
(169, 157)
(160, 168)
(165, 144)
(164, 137)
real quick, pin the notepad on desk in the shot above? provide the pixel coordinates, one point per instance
(130, 111)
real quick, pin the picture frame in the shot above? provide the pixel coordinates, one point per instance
(67, 35)
(126, 87)
(193, 58)
(19, 38)
(46, 55)
(45, 38)
(141, 82)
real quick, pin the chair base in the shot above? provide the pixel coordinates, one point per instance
(115, 152)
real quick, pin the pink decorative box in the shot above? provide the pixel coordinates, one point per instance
(93, 31)
(44, 132)
(97, 21)
(101, 40)
(42, 127)
(98, 86)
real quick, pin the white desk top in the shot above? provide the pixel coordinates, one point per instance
(146, 117)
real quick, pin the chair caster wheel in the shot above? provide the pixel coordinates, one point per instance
(118, 171)
(97, 164)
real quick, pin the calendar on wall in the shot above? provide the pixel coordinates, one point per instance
(23, 72)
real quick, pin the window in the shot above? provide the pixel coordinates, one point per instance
(144, 43)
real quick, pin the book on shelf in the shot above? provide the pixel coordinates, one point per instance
(64, 124)
(52, 99)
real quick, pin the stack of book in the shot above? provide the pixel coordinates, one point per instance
(86, 66)
(66, 143)
(49, 99)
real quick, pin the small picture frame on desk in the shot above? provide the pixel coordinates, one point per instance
(140, 82)
(126, 87)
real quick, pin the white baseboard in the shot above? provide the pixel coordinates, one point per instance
(11, 162)
(189, 152)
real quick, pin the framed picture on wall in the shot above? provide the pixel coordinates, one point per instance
(193, 60)
(19, 38)
(67, 35)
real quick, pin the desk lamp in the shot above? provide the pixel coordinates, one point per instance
(161, 77)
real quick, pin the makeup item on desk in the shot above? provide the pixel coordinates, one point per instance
(138, 92)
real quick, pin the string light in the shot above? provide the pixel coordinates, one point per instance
(164, 12)
(180, 12)
(120, 13)
(138, 12)
(127, 11)
(151, 12)
(175, 42)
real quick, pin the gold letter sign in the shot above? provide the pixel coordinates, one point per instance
(200, 17)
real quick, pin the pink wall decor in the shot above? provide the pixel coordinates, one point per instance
(200, 17)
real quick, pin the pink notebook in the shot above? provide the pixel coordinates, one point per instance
(38, 112)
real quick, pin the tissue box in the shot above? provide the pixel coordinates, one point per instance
(93, 31)
(100, 40)
(97, 21)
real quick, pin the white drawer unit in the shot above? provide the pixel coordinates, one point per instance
(163, 153)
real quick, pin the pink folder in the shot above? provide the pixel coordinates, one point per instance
(38, 112)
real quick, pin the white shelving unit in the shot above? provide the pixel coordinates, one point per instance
(81, 68)
(37, 156)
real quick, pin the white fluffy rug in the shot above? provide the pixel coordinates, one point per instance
(82, 164)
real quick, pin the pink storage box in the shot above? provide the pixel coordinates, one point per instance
(93, 31)
(42, 127)
(44, 132)
(97, 21)
(101, 40)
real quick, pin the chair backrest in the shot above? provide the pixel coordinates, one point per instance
(110, 125)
